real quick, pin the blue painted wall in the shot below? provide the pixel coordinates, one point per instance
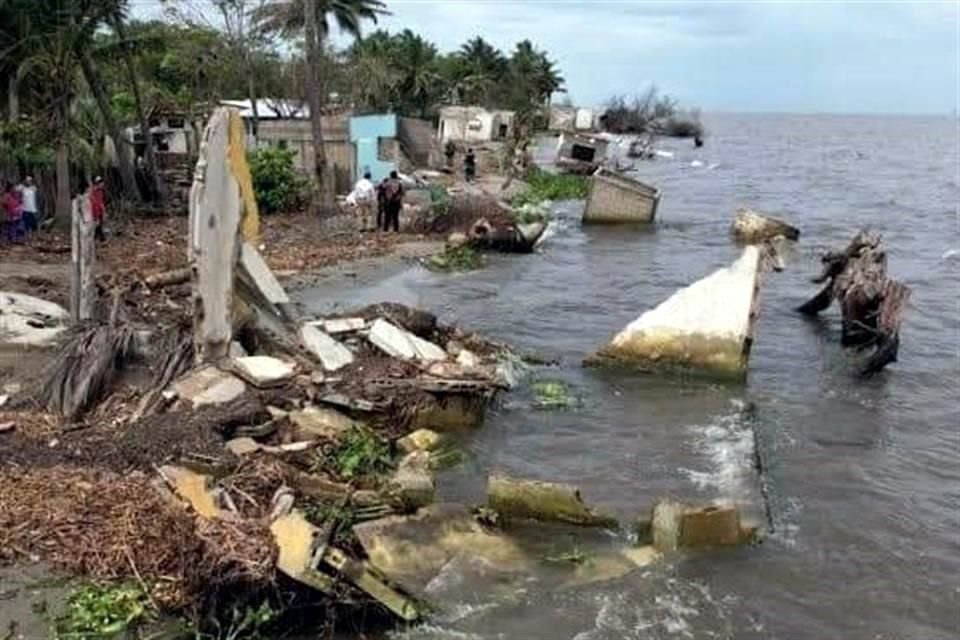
(365, 131)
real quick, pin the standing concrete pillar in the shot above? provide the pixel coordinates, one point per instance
(83, 259)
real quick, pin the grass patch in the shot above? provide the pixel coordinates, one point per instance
(461, 258)
(552, 394)
(551, 186)
(361, 453)
(96, 611)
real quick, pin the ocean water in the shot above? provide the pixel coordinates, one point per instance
(861, 480)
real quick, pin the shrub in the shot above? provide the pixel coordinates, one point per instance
(551, 186)
(102, 612)
(277, 184)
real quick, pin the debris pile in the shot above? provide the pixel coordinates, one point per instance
(871, 303)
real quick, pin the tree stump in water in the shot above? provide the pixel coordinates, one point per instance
(871, 303)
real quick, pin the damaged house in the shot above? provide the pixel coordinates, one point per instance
(474, 124)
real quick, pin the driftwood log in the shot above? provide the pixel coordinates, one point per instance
(871, 303)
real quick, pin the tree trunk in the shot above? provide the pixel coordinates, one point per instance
(322, 200)
(151, 158)
(252, 96)
(113, 128)
(13, 97)
(63, 212)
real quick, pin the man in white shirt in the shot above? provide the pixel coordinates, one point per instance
(28, 196)
(365, 195)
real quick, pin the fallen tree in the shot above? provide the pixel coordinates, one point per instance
(871, 303)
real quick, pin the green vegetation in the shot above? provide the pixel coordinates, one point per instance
(246, 621)
(552, 394)
(651, 114)
(361, 453)
(551, 186)
(95, 611)
(460, 258)
(276, 183)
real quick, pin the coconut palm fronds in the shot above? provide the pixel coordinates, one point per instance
(85, 367)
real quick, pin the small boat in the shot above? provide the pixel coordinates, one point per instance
(616, 198)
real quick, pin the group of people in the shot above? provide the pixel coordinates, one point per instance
(386, 197)
(21, 213)
(469, 161)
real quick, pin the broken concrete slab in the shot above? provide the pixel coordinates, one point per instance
(194, 488)
(29, 321)
(373, 582)
(332, 354)
(7, 426)
(399, 343)
(411, 486)
(546, 501)
(752, 226)
(209, 385)
(339, 325)
(261, 276)
(676, 525)
(467, 358)
(617, 198)
(420, 440)
(451, 412)
(297, 541)
(312, 422)
(705, 327)
(411, 550)
(242, 446)
(263, 371)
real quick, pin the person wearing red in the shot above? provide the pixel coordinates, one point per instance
(12, 214)
(98, 207)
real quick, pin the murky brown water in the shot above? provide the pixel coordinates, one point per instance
(863, 476)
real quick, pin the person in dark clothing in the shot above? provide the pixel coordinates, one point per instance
(697, 142)
(470, 166)
(393, 202)
(381, 204)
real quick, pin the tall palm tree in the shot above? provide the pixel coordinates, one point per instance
(288, 18)
(482, 67)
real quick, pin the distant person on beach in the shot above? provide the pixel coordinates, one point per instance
(366, 197)
(392, 202)
(98, 207)
(470, 166)
(12, 214)
(697, 142)
(31, 212)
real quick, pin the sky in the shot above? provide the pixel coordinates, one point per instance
(817, 56)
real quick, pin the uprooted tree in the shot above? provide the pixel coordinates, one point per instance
(871, 303)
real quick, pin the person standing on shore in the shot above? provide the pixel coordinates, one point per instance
(392, 201)
(366, 197)
(13, 214)
(31, 212)
(470, 166)
(98, 207)
(450, 151)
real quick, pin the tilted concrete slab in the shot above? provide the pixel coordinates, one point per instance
(706, 327)
(262, 371)
(399, 343)
(332, 354)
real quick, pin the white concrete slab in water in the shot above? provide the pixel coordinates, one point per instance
(707, 325)
(27, 320)
(399, 343)
(331, 353)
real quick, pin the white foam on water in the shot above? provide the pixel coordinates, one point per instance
(429, 631)
(728, 445)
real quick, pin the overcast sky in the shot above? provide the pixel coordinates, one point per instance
(784, 56)
(893, 57)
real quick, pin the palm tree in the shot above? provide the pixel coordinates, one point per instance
(421, 81)
(288, 18)
(482, 67)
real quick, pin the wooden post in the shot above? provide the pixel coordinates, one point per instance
(215, 209)
(83, 288)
